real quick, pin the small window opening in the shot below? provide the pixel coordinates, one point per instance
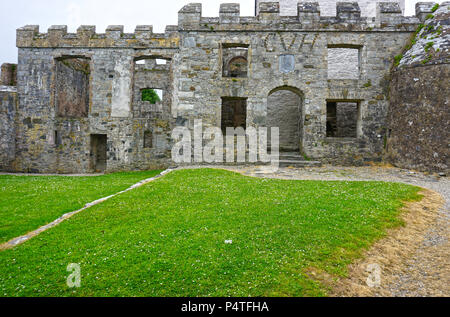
(149, 62)
(57, 138)
(235, 60)
(342, 119)
(152, 95)
(148, 140)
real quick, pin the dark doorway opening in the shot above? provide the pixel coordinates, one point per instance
(284, 110)
(234, 113)
(99, 152)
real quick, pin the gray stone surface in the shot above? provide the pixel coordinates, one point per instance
(8, 107)
(419, 117)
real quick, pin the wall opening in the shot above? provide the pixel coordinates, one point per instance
(148, 140)
(57, 138)
(234, 113)
(344, 62)
(235, 60)
(152, 95)
(151, 83)
(342, 119)
(284, 110)
(150, 62)
(72, 87)
(99, 152)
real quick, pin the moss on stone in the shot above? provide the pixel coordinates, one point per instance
(397, 59)
(436, 6)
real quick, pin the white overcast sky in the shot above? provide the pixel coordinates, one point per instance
(73, 13)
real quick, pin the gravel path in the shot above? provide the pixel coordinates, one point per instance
(427, 272)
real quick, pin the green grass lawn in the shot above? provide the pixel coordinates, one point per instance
(167, 238)
(29, 202)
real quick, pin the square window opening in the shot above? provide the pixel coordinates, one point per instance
(343, 119)
(343, 63)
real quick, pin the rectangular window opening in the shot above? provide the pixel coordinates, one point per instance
(235, 60)
(57, 138)
(342, 119)
(148, 140)
(343, 63)
(72, 83)
(234, 113)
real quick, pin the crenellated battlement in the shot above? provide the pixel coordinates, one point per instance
(86, 36)
(348, 18)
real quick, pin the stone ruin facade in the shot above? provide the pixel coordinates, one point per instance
(79, 105)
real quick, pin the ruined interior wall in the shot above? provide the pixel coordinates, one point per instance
(8, 74)
(157, 117)
(38, 150)
(347, 117)
(419, 119)
(72, 87)
(8, 105)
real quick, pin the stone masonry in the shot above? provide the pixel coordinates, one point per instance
(328, 7)
(419, 116)
(79, 96)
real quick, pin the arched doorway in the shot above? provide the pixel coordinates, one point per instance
(284, 110)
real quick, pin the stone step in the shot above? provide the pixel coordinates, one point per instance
(291, 157)
(299, 163)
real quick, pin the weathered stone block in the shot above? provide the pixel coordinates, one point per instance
(348, 11)
(229, 13)
(423, 9)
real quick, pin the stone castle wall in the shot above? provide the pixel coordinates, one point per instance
(8, 105)
(419, 115)
(419, 118)
(279, 54)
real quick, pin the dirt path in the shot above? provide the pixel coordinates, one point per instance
(414, 260)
